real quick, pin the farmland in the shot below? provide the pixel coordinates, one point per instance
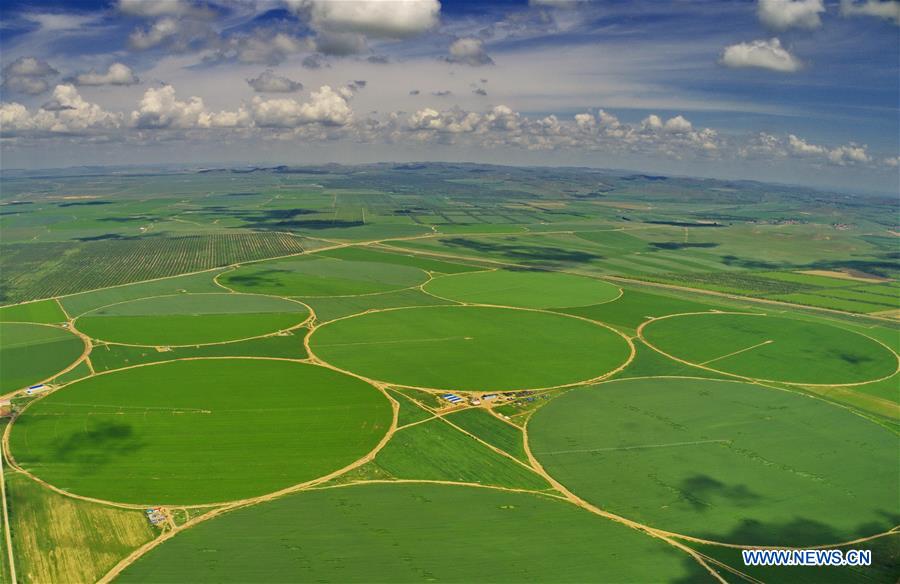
(453, 373)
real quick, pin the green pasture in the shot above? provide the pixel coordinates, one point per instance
(367, 254)
(78, 304)
(199, 431)
(492, 430)
(412, 533)
(31, 353)
(191, 319)
(435, 450)
(322, 277)
(470, 348)
(529, 289)
(42, 311)
(774, 348)
(720, 460)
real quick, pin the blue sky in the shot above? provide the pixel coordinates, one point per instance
(797, 91)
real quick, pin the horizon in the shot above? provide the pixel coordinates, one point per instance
(784, 91)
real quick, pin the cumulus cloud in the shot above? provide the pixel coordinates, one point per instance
(784, 14)
(116, 74)
(469, 51)
(761, 54)
(887, 9)
(325, 106)
(161, 109)
(269, 82)
(68, 113)
(847, 154)
(27, 75)
(159, 32)
(394, 19)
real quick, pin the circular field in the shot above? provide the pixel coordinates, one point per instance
(413, 533)
(524, 288)
(469, 348)
(720, 460)
(772, 348)
(322, 277)
(199, 431)
(191, 319)
(31, 353)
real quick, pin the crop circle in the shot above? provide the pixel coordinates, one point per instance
(529, 289)
(199, 431)
(469, 348)
(191, 319)
(771, 348)
(722, 460)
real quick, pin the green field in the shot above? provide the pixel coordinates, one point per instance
(44, 311)
(470, 348)
(191, 319)
(31, 353)
(522, 288)
(725, 461)
(322, 277)
(772, 348)
(199, 431)
(412, 533)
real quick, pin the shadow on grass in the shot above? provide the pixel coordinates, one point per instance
(533, 253)
(96, 445)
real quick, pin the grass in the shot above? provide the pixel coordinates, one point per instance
(321, 277)
(288, 346)
(774, 348)
(204, 431)
(434, 450)
(366, 254)
(331, 308)
(493, 431)
(32, 353)
(885, 559)
(409, 410)
(411, 533)
(636, 306)
(44, 270)
(529, 289)
(44, 311)
(500, 348)
(78, 304)
(60, 539)
(191, 319)
(725, 461)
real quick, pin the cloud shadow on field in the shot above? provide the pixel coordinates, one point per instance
(534, 253)
(801, 533)
(96, 445)
(674, 245)
(264, 278)
(703, 488)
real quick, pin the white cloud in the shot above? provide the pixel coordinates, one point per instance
(761, 54)
(804, 148)
(159, 32)
(28, 75)
(116, 74)
(784, 14)
(264, 47)
(847, 154)
(159, 108)
(326, 106)
(70, 114)
(892, 161)
(154, 8)
(269, 82)
(678, 125)
(395, 19)
(469, 51)
(887, 9)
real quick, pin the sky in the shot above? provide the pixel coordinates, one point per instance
(793, 91)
